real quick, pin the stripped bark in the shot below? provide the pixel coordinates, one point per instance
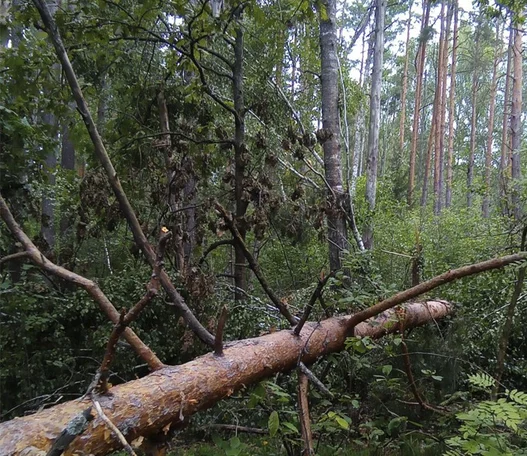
(168, 396)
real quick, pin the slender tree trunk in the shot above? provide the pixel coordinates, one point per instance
(440, 113)
(375, 120)
(330, 134)
(473, 126)
(240, 163)
(451, 111)
(504, 173)
(402, 120)
(490, 128)
(516, 126)
(421, 54)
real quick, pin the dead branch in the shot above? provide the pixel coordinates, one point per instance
(303, 414)
(316, 294)
(101, 378)
(218, 343)
(236, 428)
(13, 256)
(408, 367)
(213, 247)
(114, 429)
(103, 157)
(429, 285)
(253, 264)
(313, 378)
(91, 287)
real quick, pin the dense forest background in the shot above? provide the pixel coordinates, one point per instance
(296, 152)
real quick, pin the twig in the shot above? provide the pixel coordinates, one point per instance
(312, 377)
(236, 428)
(316, 294)
(114, 429)
(218, 342)
(213, 247)
(101, 378)
(13, 256)
(401, 315)
(75, 427)
(255, 267)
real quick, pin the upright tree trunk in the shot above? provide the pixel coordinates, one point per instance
(440, 112)
(375, 120)
(439, 184)
(330, 135)
(240, 162)
(473, 126)
(421, 54)
(490, 128)
(402, 120)
(451, 111)
(516, 126)
(504, 157)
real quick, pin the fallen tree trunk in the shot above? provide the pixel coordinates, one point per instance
(169, 395)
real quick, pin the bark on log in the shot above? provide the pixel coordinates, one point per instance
(169, 395)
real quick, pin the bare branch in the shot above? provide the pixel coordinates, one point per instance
(114, 429)
(102, 155)
(316, 294)
(213, 247)
(91, 287)
(13, 256)
(255, 267)
(437, 281)
(218, 343)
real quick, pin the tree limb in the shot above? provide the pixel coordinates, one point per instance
(437, 281)
(91, 287)
(253, 264)
(102, 155)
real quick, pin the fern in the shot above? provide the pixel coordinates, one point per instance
(519, 397)
(483, 381)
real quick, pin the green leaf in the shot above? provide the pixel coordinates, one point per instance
(273, 423)
(342, 422)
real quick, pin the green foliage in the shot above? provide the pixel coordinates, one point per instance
(491, 427)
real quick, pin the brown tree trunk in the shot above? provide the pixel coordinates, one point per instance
(169, 396)
(440, 134)
(473, 126)
(375, 121)
(451, 111)
(516, 126)
(490, 128)
(421, 54)
(330, 138)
